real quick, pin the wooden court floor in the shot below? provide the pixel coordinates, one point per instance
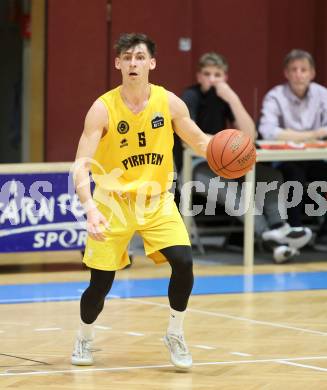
(249, 341)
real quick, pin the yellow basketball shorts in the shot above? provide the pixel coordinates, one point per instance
(155, 218)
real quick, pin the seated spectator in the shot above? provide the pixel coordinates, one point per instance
(297, 111)
(214, 106)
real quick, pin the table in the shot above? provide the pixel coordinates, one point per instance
(263, 155)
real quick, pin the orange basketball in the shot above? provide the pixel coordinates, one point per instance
(231, 153)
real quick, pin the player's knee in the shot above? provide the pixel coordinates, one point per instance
(184, 264)
(180, 258)
(100, 292)
(95, 294)
(100, 284)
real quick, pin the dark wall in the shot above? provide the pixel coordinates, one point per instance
(76, 70)
(236, 29)
(11, 49)
(320, 40)
(254, 35)
(290, 26)
(165, 22)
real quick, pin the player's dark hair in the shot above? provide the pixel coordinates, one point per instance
(129, 40)
(297, 54)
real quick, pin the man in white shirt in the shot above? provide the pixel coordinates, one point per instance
(297, 111)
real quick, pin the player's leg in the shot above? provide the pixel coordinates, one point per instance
(91, 305)
(179, 291)
(103, 258)
(166, 239)
(181, 280)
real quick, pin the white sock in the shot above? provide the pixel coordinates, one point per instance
(176, 319)
(85, 331)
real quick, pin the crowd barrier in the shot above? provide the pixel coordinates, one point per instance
(39, 210)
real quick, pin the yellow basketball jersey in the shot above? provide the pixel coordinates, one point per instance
(136, 152)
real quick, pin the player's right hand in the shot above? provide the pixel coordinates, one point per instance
(96, 225)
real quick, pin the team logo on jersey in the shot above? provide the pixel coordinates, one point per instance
(123, 142)
(158, 120)
(123, 127)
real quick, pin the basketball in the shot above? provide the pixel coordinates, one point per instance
(231, 153)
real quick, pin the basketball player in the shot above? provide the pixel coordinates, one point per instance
(127, 144)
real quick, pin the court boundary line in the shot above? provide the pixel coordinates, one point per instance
(228, 316)
(285, 361)
(288, 361)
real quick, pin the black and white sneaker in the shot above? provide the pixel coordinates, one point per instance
(294, 237)
(284, 253)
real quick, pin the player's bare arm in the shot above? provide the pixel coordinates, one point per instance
(185, 127)
(95, 126)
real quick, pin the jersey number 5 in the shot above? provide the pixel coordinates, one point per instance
(142, 140)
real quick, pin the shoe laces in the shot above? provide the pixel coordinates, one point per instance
(178, 344)
(83, 347)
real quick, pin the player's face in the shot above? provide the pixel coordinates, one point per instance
(209, 76)
(135, 63)
(299, 74)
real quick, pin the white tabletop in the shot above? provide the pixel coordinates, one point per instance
(294, 154)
